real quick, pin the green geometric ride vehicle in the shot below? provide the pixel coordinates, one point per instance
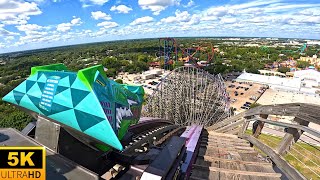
(85, 101)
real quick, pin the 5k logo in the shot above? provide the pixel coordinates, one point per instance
(14, 158)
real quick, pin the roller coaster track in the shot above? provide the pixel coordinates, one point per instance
(188, 96)
(224, 150)
(303, 115)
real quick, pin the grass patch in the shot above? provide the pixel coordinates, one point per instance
(305, 153)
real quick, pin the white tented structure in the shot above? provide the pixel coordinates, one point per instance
(305, 81)
(308, 77)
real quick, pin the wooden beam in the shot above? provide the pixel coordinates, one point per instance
(226, 121)
(234, 131)
(289, 138)
(213, 159)
(311, 109)
(230, 126)
(225, 143)
(282, 124)
(221, 138)
(224, 139)
(222, 135)
(232, 148)
(249, 173)
(256, 131)
(279, 109)
(307, 117)
(244, 127)
(282, 164)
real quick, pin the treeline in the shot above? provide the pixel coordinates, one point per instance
(131, 56)
(115, 65)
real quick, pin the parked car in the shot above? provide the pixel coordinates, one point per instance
(154, 83)
(244, 107)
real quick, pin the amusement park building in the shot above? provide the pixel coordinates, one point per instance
(314, 60)
(306, 81)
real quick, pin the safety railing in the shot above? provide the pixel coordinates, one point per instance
(292, 145)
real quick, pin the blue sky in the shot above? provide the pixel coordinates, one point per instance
(31, 24)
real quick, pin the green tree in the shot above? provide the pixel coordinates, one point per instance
(178, 64)
(302, 64)
(111, 62)
(283, 69)
(253, 105)
(143, 58)
(119, 81)
(111, 72)
(253, 70)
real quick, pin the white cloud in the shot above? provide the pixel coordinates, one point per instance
(310, 11)
(37, 1)
(47, 37)
(76, 21)
(17, 12)
(227, 20)
(87, 3)
(4, 33)
(108, 24)
(209, 18)
(254, 18)
(33, 37)
(183, 16)
(218, 11)
(156, 6)
(121, 9)
(257, 3)
(100, 15)
(99, 2)
(190, 3)
(63, 27)
(29, 27)
(9, 38)
(263, 13)
(142, 20)
(313, 19)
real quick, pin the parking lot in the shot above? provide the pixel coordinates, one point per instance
(241, 92)
(148, 84)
